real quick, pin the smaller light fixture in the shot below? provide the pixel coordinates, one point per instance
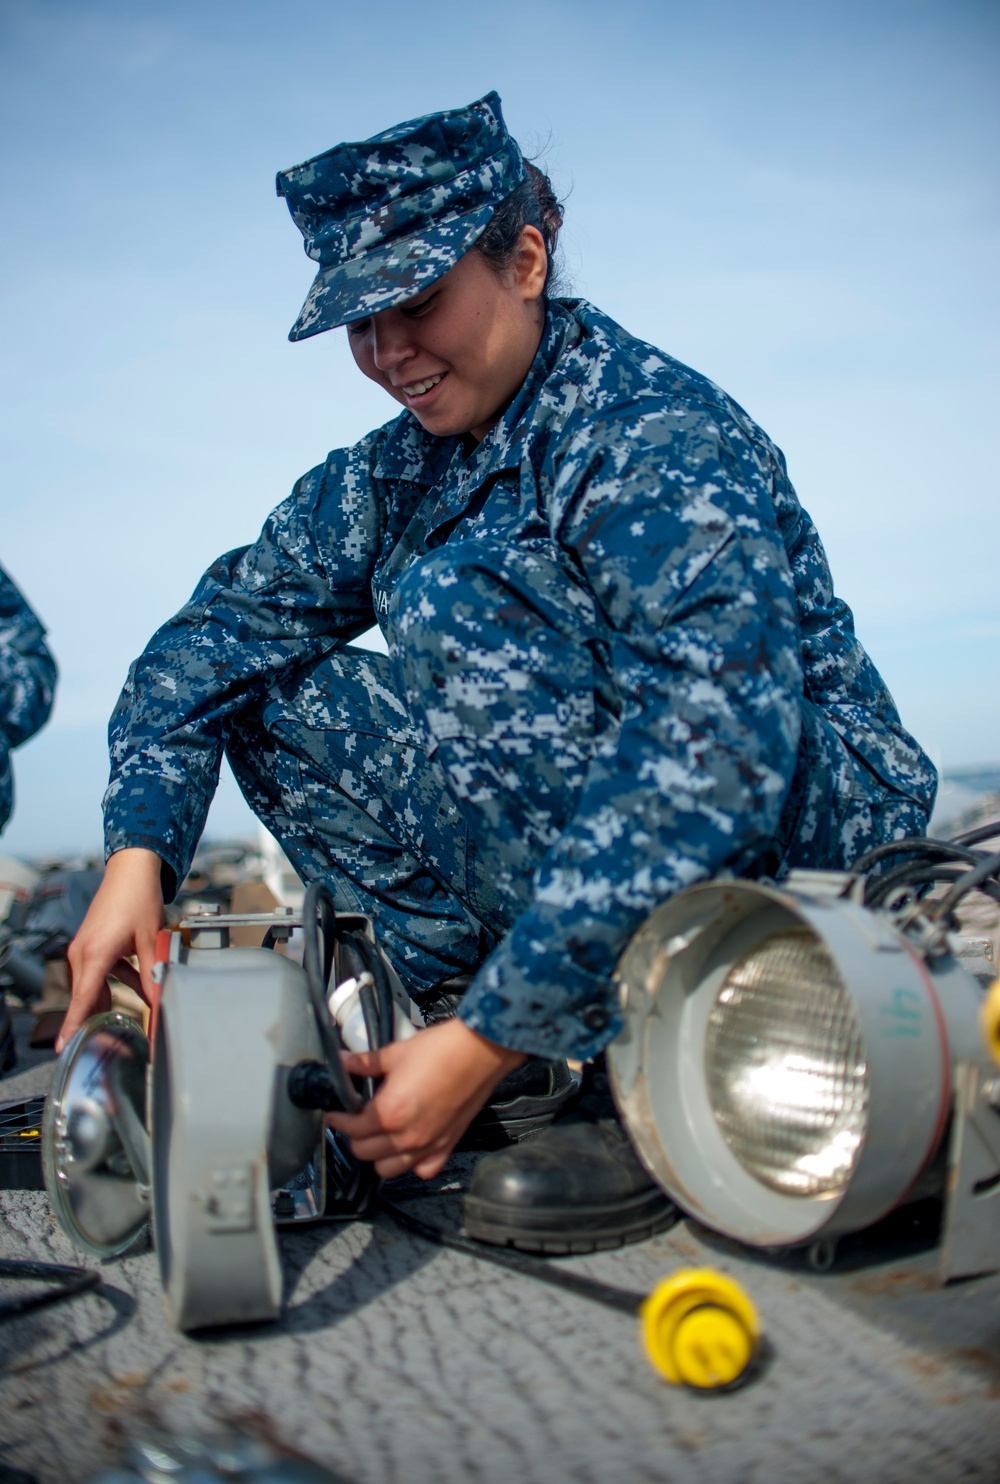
(212, 1129)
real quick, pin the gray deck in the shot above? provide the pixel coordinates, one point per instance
(396, 1360)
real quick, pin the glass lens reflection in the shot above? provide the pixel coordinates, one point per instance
(786, 1069)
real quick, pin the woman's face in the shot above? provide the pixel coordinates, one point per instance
(456, 354)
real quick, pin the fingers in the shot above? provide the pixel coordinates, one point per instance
(145, 951)
(128, 974)
(89, 969)
(431, 1165)
(368, 1063)
(431, 1086)
(390, 1160)
(122, 919)
(402, 1164)
(81, 1008)
(361, 1125)
(382, 1136)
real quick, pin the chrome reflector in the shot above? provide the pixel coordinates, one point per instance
(785, 1067)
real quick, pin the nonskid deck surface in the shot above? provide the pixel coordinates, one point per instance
(397, 1360)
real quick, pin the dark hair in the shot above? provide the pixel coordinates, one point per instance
(532, 204)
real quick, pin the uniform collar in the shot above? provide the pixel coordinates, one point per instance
(504, 444)
(412, 454)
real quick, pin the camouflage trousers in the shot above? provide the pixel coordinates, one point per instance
(428, 788)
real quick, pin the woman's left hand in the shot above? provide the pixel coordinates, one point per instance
(433, 1086)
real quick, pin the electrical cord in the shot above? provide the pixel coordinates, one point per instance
(372, 960)
(989, 888)
(931, 862)
(312, 1084)
(625, 1300)
(883, 889)
(369, 1011)
(319, 926)
(989, 831)
(69, 1283)
(969, 881)
(923, 845)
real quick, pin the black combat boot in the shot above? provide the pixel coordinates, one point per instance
(577, 1186)
(528, 1099)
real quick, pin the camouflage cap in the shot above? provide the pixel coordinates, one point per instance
(387, 216)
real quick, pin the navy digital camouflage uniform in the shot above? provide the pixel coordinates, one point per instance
(27, 682)
(616, 666)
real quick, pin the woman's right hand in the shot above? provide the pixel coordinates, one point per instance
(124, 918)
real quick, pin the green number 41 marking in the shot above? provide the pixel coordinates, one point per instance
(905, 1016)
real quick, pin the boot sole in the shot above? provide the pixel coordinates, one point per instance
(594, 1228)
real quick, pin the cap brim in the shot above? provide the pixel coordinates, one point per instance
(387, 274)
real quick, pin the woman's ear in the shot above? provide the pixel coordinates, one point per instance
(531, 264)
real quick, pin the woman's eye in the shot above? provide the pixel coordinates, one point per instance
(413, 310)
(359, 327)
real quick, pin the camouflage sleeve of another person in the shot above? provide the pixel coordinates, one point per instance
(301, 589)
(668, 517)
(27, 681)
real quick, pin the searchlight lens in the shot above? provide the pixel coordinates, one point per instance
(786, 1070)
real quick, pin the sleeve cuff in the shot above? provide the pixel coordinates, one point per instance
(170, 872)
(542, 1003)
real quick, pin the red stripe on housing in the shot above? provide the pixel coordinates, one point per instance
(161, 955)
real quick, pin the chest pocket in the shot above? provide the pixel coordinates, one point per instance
(504, 510)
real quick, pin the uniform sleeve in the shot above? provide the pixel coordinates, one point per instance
(27, 681)
(303, 588)
(670, 523)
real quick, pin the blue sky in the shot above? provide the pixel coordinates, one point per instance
(799, 200)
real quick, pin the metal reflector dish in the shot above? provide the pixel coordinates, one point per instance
(95, 1151)
(785, 1067)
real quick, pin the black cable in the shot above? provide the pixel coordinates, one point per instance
(319, 926)
(982, 832)
(372, 960)
(369, 1009)
(625, 1300)
(969, 881)
(373, 1031)
(917, 874)
(914, 845)
(69, 1283)
(926, 866)
(879, 891)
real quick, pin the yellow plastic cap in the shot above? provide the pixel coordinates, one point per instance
(990, 1020)
(699, 1328)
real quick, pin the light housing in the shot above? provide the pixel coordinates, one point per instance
(197, 1126)
(789, 1058)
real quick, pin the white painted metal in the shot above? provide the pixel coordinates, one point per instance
(914, 1023)
(231, 1025)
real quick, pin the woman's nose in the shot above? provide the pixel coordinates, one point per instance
(391, 340)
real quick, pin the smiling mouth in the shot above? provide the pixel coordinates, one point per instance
(418, 389)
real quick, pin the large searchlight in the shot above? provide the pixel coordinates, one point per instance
(794, 1065)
